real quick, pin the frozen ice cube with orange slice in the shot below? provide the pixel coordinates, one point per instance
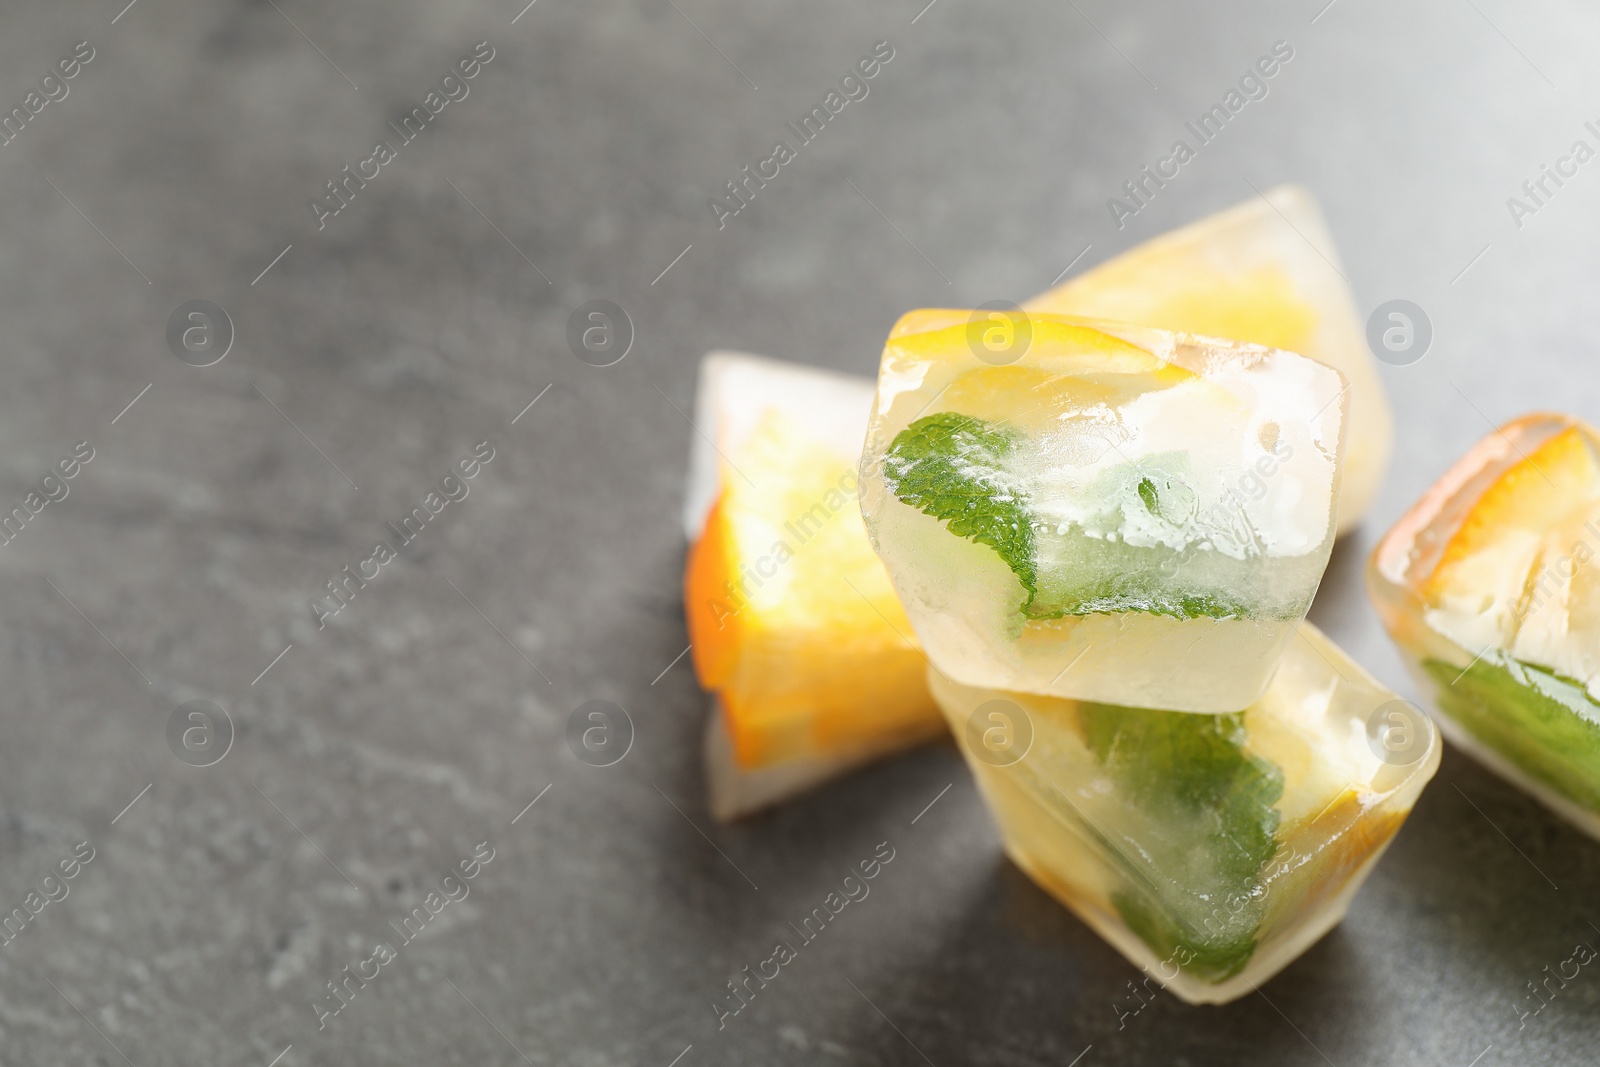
(792, 620)
(1264, 271)
(1490, 585)
(1114, 513)
(1210, 850)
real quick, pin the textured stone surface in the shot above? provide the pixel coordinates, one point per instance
(380, 750)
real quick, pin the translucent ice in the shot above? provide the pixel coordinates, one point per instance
(1490, 584)
(1210, 850)
(1264, 271)
(791, 616)
(1111, 513)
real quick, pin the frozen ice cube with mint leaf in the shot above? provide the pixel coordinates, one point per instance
(1490, 585)
(1101, 511)
(1210, 850)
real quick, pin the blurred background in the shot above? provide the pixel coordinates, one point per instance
(364, 353)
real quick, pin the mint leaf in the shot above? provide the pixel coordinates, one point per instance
(952, 467)
(1206, 828)
(1214, 958)
(1082, 575)
(960, 469)
(1541, 723)
(1147, 493)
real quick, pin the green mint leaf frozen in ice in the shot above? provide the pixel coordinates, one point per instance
(952, 467)
(964, 471)
(1543, 724)
(1214, 958)
(1147, 493)
(1194, 878)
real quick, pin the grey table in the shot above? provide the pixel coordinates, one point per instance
(372, 755)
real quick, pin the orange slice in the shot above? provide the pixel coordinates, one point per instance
(1336, 843)
(791, 615)
(1488, 559)
(1065, 344)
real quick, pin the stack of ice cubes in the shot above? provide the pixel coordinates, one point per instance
(1106, 538)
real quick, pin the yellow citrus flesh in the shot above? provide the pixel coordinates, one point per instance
(1335, 843)
(1067, 370)
(1263, 272)
(1055, 343)
(1558, 617)
(1579, 557)
(1262, 306)
(1490, 556)
(791, 615)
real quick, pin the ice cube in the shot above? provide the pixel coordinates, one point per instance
(1490, 585)
(736, 391)
(1210, 850)
(1264, 271)
(734, 790)
(792, 620)
(1117, 513)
